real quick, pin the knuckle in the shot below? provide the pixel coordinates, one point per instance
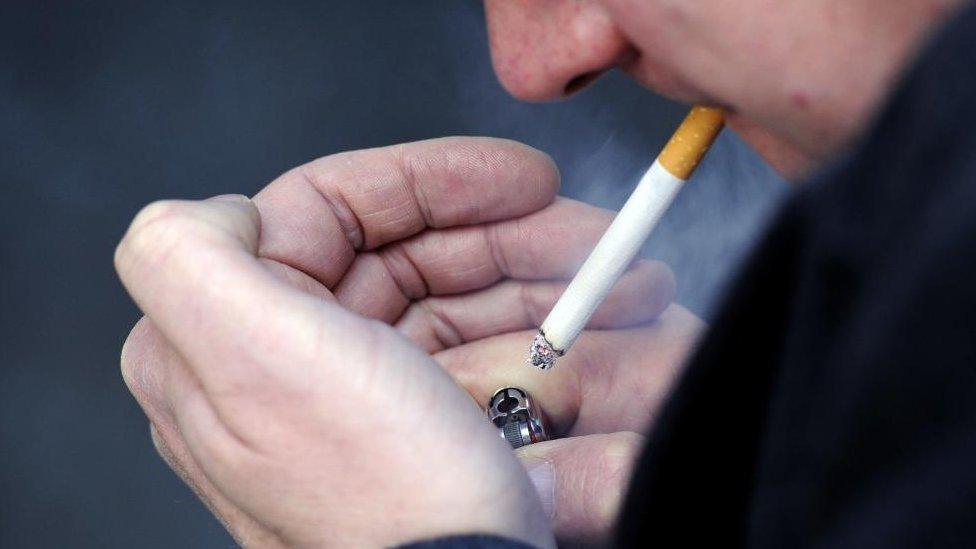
(618, 456)
(154, 232)
(159, 216)
(616, 464)
(133, 351)
(145, 354)
(597, 490)
(611, 477)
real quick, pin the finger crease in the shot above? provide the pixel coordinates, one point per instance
(409, 174)
(496, 250)
(446, 332)
(394, 255)
(351, 225)
(530, 306)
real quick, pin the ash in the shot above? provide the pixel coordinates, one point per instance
(542, 355)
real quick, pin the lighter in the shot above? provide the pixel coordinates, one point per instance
(519, 420)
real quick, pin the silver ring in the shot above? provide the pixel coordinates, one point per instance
(519, 420)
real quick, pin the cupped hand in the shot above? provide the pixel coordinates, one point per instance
(288, 360)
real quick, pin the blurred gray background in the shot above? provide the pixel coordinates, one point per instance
(106, 106)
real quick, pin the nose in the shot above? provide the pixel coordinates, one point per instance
(547, 49)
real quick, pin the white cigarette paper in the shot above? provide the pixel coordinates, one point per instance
(610, 258)
(623, 240)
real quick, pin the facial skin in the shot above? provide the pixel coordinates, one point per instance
(800, 79)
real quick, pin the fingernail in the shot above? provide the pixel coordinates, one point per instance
(229, 198)
(544, 480)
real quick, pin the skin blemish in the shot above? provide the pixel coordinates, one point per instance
(800, 100)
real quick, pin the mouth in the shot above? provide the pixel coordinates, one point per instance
(665, 81)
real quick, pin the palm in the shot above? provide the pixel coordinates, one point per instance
(466, 266)
(460, 245)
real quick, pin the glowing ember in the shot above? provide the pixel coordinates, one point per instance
(541, 354)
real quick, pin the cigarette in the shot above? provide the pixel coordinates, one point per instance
(623, 239)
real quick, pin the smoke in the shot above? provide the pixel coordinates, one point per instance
(710, 226)
(604, 139)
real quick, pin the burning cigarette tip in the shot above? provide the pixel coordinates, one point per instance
(542, 354)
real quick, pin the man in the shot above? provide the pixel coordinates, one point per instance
(302, 355)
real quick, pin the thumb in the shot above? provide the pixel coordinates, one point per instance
(582, 481)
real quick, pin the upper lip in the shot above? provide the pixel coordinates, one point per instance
(629, 63)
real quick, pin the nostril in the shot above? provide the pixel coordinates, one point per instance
(580, 82)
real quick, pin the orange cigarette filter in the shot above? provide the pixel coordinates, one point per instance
(691, 141)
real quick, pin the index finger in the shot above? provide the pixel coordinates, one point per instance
(315, 217)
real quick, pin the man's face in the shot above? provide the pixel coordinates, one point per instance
(692, 51)
(778, 67)
(547, 49)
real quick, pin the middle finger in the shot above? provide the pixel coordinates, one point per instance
(550, 244)
(436, 323)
